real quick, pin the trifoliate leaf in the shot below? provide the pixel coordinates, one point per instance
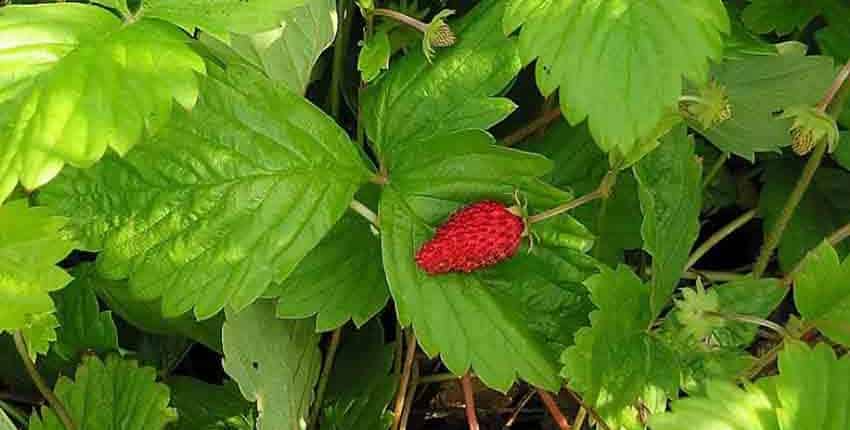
(427, 183)
(580, 167)
(374, 56)
(616, 359)
(780, 16)
(340, 280)
(810, 127)
(220, 17)
(226, 198)
(416, 101)
(275, 362)
(30, 246)
(822, 292)
(203, 406)
(75, 81)
(84, 327)
(810, 392)
(287, 53)
(632, 55)
(670, 190)
(115, 395)
(146, 315)
(822, 210)
(361, 384)
(759, 87)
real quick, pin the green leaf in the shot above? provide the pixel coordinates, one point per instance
(780, 16)
(361, 384)
(618, 64)
(31, 244)
(287, 53)
(580, 167)
(205, 406)
(822, 292)
(5, 422)
(842, 152)
(753, 297)
(146, 315)
(498, 321)
(83, 327)
(670, 190)
(374, 56)
(275, 362)
(76, 81)
(340, 280)
(822, 210)
(616, 360)
(220, 17)
(417, 100)
(759, 87)
(226, 198)
(810, 392)
(115, 395)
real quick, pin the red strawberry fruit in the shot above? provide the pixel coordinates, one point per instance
(476, 236)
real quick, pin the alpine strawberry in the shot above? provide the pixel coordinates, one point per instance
(479, 235)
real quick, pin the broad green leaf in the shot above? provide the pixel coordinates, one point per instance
(580, 167)
(616, 360)
(220, 17)
(287, 53)
(83, 327)
(822, 210)
(758, 88)
(780, 16)
(361, 384)
(340, 280)
(374, 56)
(822, 292)
(5, 422)
(670, 190)
(417, 100)
(203, 406)
(754, 297)
(499, 321)
(842, 151)
(275, 362)
(75, 81)
(31, 244)
(146, 315)
(115, 395)
(619, 64)
(810, 392)
(224, 200)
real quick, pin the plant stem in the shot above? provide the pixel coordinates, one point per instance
(544, 120)
(364, 211)
(405, 379)
(715, 170)
(411, 392)
(580, 417)
(603, 191)
(45, 391)
(402, 18)
(324, 377)
(469, 401)
(775, 234)
(833, 239)
(719, 235)
(554, 410)
(714, 275)
(596, 417)
(749, 319)
(13, 412)
(440, 377)
(525, 399)
(340, 47)
(833, 90)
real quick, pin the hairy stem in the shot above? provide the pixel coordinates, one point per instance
(42, 387)
(719, 235)
(596, 417)
(833, 90)
(749, 319)
(603, 191)
(713, 275)
(544, 120)
(554, 410)
(340, 47)
(775, 234)
(405, 379)
(525, 399)
(411, 392)
(402, 18)
(325, 377)
(715, 170)
(364, 211)
(469, 401)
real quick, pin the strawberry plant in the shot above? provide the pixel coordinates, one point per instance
(381, 214)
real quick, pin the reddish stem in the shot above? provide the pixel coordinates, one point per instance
(554, 410)
(469, 399)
